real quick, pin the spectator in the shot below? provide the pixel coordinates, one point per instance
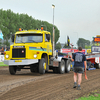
(79, 60)
(5, 49)
(2, 51)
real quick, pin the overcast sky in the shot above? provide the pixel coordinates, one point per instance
(75, 18)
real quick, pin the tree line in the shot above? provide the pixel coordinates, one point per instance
(10, 22)
(85, 44)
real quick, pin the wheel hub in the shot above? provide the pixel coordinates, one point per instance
(44, 66)
(69, 67)
(62, 67)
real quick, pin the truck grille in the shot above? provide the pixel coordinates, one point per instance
(18, 53)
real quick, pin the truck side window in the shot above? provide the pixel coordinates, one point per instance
(46, 40)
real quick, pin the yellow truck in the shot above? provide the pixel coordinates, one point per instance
(32, 49)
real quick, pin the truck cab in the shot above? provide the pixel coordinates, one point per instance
(28, 48)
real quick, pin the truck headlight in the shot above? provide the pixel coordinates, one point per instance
(7, 56)
(35, 56)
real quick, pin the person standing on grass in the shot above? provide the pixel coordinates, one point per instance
(79, 62)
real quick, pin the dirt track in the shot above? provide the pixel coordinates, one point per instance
(29, 86)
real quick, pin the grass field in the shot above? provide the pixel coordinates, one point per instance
(2, 64)
(92, 97)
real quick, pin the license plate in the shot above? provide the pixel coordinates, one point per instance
(18, 60)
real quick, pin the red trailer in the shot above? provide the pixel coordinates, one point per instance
(93, 60)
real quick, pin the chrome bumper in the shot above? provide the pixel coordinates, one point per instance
(20, 62)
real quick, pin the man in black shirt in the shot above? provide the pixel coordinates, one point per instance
(79, 63)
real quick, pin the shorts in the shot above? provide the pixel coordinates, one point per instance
(78, 69)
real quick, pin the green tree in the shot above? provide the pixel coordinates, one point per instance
(0, 42)
(65, 46)
(58, 46)
(10, 23)
(82, 42)
(87, 47)
(6, 43)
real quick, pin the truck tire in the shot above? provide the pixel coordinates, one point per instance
(67, 66)
(34, 68)
(46, 61)
(12, 70)
(42, 66)
(61, 68)
(97, 66)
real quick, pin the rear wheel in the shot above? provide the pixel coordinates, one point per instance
(97, 66)
(42, 66)
(12, 70)
(61, 68)
(67, 66)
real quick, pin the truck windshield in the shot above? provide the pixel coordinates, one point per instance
(28, 38)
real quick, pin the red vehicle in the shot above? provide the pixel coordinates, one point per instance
(93, 60)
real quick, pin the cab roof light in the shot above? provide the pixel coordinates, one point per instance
(41, 28)
(20, 29)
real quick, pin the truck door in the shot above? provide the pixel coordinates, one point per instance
(47, 44)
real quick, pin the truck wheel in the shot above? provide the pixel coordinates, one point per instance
(97, 66)
(67, 66)
(42, 66)
(12, 70)
(61, 68)
(46, 61)
(34, 68)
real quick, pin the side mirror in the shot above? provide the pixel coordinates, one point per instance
(48, 37)
(13, 36)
